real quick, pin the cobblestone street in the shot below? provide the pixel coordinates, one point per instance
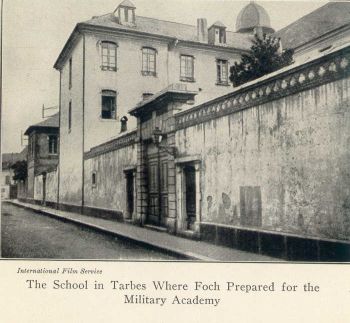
(26, 234)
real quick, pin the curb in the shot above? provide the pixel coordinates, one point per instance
(122, 236)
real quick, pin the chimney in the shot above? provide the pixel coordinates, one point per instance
(202, 30)
(123, 124)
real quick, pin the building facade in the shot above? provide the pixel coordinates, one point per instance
(152, 134)
(112, 62)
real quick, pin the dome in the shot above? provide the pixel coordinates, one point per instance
(251, 16)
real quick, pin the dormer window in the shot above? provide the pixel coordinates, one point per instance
(222, 35)
(217, 34)
(125, 13)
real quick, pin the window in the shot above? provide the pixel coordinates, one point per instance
(222, 71)
(222, 36)
(53, 144)
(108, 104)
(148, 61)
(93, 179)
(70, 73)
(7, 180)
(70, 116)
(32, 146)
(109, 56)
(187, 68)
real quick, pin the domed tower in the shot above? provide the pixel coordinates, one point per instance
(253, 18)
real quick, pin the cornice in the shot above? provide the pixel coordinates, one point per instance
(115, 144)
(323, 70)
(129, 33)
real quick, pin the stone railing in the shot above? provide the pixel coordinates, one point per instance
(117, 143)
(290, 80)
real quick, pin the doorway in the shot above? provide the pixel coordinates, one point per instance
(157, 187)
(190, 195)
(130, 196)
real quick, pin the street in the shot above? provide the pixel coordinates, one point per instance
(26, 234)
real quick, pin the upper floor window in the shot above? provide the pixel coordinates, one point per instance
(109, 56)
(222, 35)
(187, 68)
(32, 146)
(70, 116)
(222, 71)
(70, 73)
(148, 61)
(53, 144)
(109, 109)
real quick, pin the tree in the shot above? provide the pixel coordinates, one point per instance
(265, 57)
(20, 170)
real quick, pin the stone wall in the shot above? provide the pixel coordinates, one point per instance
(51, 185)
(275, 153)
(108, 163)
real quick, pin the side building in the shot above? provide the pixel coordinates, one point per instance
(42, 159)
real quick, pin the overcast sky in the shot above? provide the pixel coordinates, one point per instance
(34, 32)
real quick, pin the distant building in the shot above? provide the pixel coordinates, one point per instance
(8, 185)
(43, 152)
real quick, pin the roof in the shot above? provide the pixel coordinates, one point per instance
(52, 122)
(331, 16)
(127, 3)
(218, 24)
(252, 15)
(176, 89)
(169, 29)
(154, 27)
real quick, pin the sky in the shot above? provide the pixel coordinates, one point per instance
(35, 31)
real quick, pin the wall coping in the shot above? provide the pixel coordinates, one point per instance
(287, 81)
(111, 145)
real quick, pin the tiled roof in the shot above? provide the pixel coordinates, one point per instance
(325, 19)
(169, 29)
(52, 122)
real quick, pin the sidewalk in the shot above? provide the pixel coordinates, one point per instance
(190, 249)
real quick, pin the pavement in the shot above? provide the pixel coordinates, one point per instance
(162, 241)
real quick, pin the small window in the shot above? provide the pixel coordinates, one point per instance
(187, 68)
(108, 110)
(109, 56)
(70, 73)
(32, 146)
(7, 180)
(148, 61)
(53, 145)
(222, 36)
(222, 71)
(70, 116)
(93, 179)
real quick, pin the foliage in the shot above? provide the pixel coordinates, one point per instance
(20, 170)
(264, 57)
